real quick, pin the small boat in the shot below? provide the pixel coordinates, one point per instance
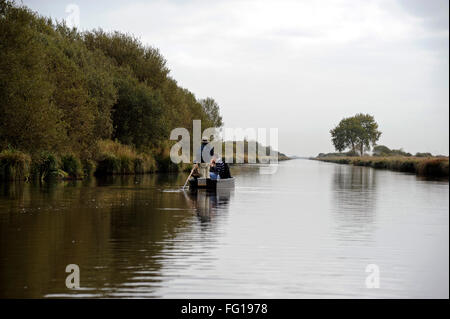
(211, 184)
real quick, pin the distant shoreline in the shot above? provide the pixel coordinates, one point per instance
(422, 166)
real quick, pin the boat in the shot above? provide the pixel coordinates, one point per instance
(211, 184)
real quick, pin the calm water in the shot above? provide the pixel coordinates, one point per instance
(309, 230)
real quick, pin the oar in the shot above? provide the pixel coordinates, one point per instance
(189, 177)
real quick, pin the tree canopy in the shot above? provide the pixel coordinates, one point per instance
(358, 133)
(63, 90)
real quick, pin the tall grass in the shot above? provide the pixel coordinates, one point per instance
(425, 166)
(163, 160)
(14, 165)
(115, 158)
(45, 166)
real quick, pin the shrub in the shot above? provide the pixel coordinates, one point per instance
(423, 155)
(127, 164)
(72, 166)
(88, 167)
(165, 164)
(433, 167)
(14, 165)
(108, 165)
(45, 166)
(380, 164)
(408, 166)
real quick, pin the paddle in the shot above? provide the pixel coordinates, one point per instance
(189, 177)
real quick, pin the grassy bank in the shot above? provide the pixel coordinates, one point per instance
(424, 166)
(111, 158)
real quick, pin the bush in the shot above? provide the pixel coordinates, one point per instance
(127, 165)
(72, 166)
(88, 167)
(164, 162)
(45, 166)
(408, 166)
(116, 158)
(108, 165)
(433, 167)
(380, 164)
(14, 165)
(423, 155)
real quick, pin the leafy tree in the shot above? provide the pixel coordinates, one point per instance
(61, 90)
(29, 118)
(358, 133)
(212, 110)
(381, 150)
(418, 154)
(136, 114)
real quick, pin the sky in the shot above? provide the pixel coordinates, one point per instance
(299, 66)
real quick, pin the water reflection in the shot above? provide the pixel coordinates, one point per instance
(120, 230)
(208, 203)
(354, 202)
(307, 231)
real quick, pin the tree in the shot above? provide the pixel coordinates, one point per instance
(381, 150)
(62, 90)
(358, 133)
(211, 109)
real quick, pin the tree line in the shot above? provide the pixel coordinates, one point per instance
(62, 90)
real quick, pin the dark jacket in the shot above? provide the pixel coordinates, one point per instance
(223, 170)
(211, 153)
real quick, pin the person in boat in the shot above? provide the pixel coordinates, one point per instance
(213, 172)
(195, 171)
(219, 169)
(205, 157)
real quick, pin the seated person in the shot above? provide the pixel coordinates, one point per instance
(221, 168)
(195, 172)
(213, 173)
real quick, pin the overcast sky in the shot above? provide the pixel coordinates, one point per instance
(300, 66)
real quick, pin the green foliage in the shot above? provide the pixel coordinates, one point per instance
(136, 114)
(116, 158)
(381, 150)
(89, 167)
(108, 165)
(423, 155)
(358, 133)
(62, 91)
(163, 161)
(72, 166)
(14, 165)
(44, 166)
(212, 111)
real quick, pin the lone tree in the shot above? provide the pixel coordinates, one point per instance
(358, 133)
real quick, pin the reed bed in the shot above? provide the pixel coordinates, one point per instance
(423, 166)
(114, 158)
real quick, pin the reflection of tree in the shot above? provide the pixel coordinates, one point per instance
(114, 229)
(354, 190)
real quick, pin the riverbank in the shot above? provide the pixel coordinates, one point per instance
(423, 166)
(110, 158)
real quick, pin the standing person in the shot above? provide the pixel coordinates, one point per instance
(205, 155)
